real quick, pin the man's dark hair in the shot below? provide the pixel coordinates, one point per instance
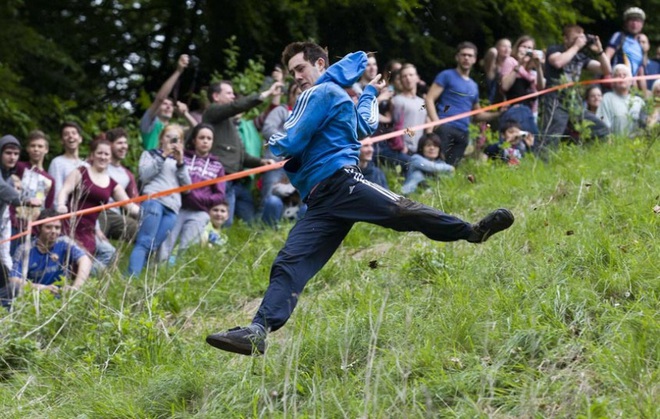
(36, 135)
(509, 123)
(115, 133)
(47, 213)
(311, 52)
(216, 88)
(572, 28)
(71, 124)
(466, 45)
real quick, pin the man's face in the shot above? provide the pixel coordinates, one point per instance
(10, 156)
(572, 36)
(305, 73)
(50, 232)
(37, 150)
(594, 98)
(408, 79)
(166, 109)
(621, 87)
(225, 95)
(372, 68)
(71, 138)
(119, 149)
(634, 25)
(644, 42)
(366, 152)
(657, 53)
(466, 58)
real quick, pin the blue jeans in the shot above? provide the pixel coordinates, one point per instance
(333, 207)
(156, 223)
(240, 201)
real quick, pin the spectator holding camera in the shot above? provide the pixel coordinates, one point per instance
(512, 145)
(522, 74)
(564, 63)
(159, 169)
(624, 47)
(622, 112)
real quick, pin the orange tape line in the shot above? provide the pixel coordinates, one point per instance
(269, 167)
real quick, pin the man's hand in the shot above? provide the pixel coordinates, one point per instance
(596, 47)
(378, 83)
(181, 108)
(181, 65)
(275, 89)
(581, 41)
(266, 162)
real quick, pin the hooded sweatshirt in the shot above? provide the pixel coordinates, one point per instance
(323, 130)
(201, 169)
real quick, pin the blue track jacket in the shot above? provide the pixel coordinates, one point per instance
(323, 129)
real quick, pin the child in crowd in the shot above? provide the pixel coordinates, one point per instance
(513, 143)
(428, 161)
(213, 235)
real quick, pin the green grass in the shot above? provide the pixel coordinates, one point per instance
(557, 317)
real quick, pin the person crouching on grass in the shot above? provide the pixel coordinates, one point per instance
(321, 143)
(49, 257)
(513, 143)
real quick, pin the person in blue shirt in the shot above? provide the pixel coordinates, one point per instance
(322, 148)
(623, 47)
(453, 92)
(50, 258)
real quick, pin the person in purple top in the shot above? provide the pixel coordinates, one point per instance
(453, 92)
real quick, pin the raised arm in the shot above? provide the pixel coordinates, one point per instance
(167, 87)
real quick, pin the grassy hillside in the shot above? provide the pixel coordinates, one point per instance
(557, 317)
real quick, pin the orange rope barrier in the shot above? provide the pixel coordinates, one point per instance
(273, 166)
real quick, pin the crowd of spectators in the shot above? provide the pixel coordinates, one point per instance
(181, 147)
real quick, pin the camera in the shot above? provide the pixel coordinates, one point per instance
(529, 53)
(591, 39)
(194, 61)
(523, 134)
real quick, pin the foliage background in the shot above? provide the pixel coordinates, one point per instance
(81, 59)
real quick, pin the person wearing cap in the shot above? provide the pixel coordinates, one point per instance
(624, 48)
(10, 149)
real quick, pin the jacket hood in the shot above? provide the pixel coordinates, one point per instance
(9, 139)
(346, 71)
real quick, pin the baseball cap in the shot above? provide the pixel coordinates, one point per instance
(633, 12)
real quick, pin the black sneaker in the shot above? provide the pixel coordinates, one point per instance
(494, 222)
(249, 340)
